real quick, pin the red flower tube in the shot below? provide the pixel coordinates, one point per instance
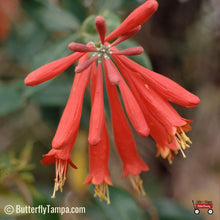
(166, 142)
(50, 70)
(69, 122)
(163, 85)
(99, 174)
(136, 18)
(97, 113)
(126, 147)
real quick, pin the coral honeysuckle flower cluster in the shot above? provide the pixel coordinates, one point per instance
(145, 95)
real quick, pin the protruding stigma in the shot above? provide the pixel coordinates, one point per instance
(137, 184)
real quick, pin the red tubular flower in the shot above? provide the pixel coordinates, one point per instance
(97, 113)
(169, 130)
(145, 96)
(99, 174)
(136, 18)
(132, 163)
(163, 85)
(69, 123)
(133, 110)
(51, 70)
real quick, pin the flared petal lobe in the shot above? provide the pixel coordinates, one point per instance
(50, 70)
(136, 18)
(163, 85)
(62, 154)
(68, 126)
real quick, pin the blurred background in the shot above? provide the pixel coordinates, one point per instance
(181, 40)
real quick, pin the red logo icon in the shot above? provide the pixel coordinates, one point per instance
(203, 205)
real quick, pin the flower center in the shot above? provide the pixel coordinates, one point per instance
(103, 51)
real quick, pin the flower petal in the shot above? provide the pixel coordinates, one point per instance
(50, 70)
(136, 18)
(68, 127)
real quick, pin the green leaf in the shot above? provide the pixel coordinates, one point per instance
(109, 5)
(25, 41)
(25, 154)
(50, 15)
(132, 4)
(112, 20)
(169, 210)
(10, 100)
(7, 218)
(51, 115)
(76, 7)
(55, 94)
(56, 51)
(142, 59)
(45, 203)
(122, 207)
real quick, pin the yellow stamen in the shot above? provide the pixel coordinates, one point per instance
(169, 158)
(182, 141)
(101, 190)
(187, 139)
(137, 184)
(61, 169)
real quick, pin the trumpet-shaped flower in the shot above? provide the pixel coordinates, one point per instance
(145, 96)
